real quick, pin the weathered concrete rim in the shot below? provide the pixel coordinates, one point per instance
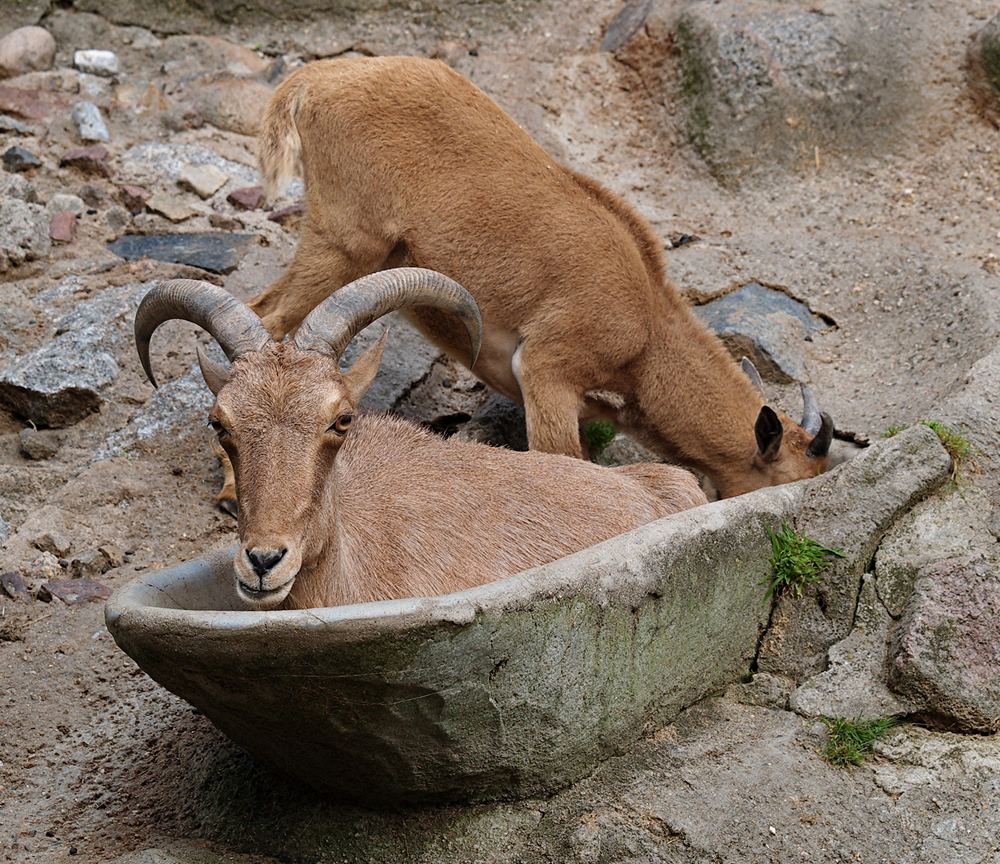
(579, 573)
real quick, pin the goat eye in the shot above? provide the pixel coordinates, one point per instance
(217, 427)
(342, 424)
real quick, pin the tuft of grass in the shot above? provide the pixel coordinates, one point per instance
(850, 742)
(600, 433)
(796, 561)
(958, 446)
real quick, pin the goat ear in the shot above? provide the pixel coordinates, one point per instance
(768, 430)
(360, 376)
(216, 375)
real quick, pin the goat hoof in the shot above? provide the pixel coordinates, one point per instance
(228, 505)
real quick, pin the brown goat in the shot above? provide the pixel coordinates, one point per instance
(405, 161)
(337, 510)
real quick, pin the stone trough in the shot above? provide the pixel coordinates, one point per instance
(518, 687)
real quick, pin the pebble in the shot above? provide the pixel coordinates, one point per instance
(246, 198)
(224, 222)
(90, 124)
(63, 203)
(18, 159)
(13, 586)
(54, 543)
(203, 180)
(104, 63)
(92, 196)
(73, 591)
(289, 214)
(89, 563)
(133, 197)
(117, 219)
(62, 227)
(9, 124)
(45, 566)
(37, 445)
(17, 186)
(169, 206)
(89, 160)
(26, 49)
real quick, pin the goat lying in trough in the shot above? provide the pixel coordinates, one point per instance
(339, 509)
(405, 161)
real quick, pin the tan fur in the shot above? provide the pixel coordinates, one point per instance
(407, 162)
(389, 510)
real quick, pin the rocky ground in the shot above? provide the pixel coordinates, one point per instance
(825, 179)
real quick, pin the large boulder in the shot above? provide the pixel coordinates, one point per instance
(945, 652)
(772, 83)
(63, 380)
(882, 482)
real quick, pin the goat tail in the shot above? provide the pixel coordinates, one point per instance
(279, 146)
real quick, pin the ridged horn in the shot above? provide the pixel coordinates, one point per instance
(751, 372)
(233, 325)
(331, 326)
(811, 416)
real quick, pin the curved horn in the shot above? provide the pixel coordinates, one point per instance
(235, 327)
(751, 372)
(811, 417)
(338, 319)
(820, 445)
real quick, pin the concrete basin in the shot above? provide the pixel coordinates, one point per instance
(511, 689)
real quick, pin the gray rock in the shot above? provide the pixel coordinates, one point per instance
(17, 159)
(765, 325)
(767, 83)
(626, 451)
(175, 407)
(24, 232)
(53, 541)
(63, 380)
(625, 24)
(234, 104)
(408, 358)
(9, 124)
(26, 49)
(499, 423)
(203, 180)
(945, 652)
(17, 186)
(90, 124)
(152, 162)
(5, 530)
(219, 253)
(97, 62)
(944, 526)
(883, 482)
(854, 685)
(91, 562)
(62, 203)
(37, 445)
(984, 68)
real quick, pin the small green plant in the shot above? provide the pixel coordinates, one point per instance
(796, 561)
(850, 742)
(958, 446)
(600, 433)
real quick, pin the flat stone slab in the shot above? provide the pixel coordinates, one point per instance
(765, 325)
(216, 252)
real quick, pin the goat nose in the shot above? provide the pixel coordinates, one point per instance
(262, 560)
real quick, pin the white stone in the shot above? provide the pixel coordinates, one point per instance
(96, 62)
(90, 124)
